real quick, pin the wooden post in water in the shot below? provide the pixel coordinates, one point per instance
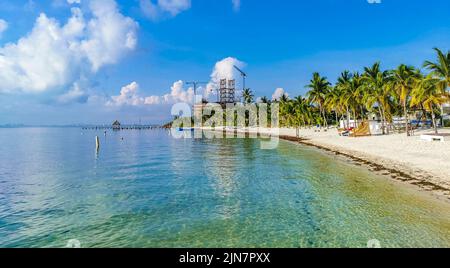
(97, 143)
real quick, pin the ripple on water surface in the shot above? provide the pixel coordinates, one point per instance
(149, 190)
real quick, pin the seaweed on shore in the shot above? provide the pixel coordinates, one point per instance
(379, 168)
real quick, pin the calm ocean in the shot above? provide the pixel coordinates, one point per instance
(146, 189)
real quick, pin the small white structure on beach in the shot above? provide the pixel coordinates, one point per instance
(374, 125)
(431, 138)
(350, 123)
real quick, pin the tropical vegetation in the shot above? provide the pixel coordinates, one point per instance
(390, 96)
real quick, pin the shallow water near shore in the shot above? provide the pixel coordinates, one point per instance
(150, 190)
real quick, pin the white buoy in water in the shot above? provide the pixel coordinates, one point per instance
(97, 142)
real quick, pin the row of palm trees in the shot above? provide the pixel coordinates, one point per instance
(386, 93)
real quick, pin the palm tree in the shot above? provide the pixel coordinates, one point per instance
(319, 87)
(355, 96)
(289, 114)
(302, 111)
(386, 93)
(333, 102)
(285, 109)
(299, 114)
(284, 98)
(429, 94)
(343, 85)
(265, 100)
(403, 81)
(248, 96)
(376, 91)
(440, 69)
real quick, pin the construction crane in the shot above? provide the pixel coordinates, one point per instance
(244, 75)
(196, 84)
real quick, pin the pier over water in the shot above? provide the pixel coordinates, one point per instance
(123, 127)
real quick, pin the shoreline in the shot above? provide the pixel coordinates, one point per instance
(402, 175)
(400, 171)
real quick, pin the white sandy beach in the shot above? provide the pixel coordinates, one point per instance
(427, 163)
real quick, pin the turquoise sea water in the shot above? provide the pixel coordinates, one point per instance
(150, 190)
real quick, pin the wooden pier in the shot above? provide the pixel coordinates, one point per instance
(120, 128)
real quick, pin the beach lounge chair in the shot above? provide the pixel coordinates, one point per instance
(343, 131)
(362, 131)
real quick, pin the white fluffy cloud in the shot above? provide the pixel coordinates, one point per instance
(130, 96)
(70, 2)
(178, 94)
(279, 92)
(236, 5)
(74, 95)
(110, 34)
(54, 55)
(3, 26)
(174, 7)
(155, 10)
(223, 69)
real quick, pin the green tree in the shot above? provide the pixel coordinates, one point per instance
(302, 111)
(343, 86)
(248, 96)
(430, 95)
(285, 110)
(355, 96)
(333, 102)
(403, 81)
(265, 100)
(377, 92)
(440, 69)
(319, 88)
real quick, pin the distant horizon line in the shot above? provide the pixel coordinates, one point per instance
(70, 125)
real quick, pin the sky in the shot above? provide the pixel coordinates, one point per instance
(94, 61)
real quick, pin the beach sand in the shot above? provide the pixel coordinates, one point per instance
(407, 159)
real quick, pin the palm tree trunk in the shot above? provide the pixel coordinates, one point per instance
(363, 114)
(406, 118)
(382, 119)
(325, 124)
(385, 122)
(348, 118)
(434, 121)
(424, 115)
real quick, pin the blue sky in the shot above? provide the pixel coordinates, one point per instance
(144, 48)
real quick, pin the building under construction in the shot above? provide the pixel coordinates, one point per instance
(227, 91)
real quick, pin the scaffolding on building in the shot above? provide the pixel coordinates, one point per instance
(227, 91)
